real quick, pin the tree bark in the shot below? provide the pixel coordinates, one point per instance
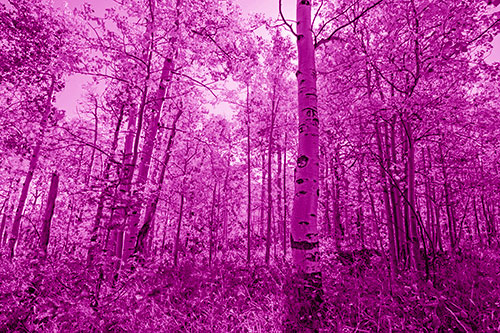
(263, 194)
(335, 191)
(304, 238)
(147, 152)
(384, 166)
(249, 180)
(359, 210)
(414, 241)
(326, 187)
(285, 201)
(399, 224)
(269, 182)
(49, 212)
(178, 233)
(153, 205)
(211, 229)
(279, 223)
(94, 145)
(122, 197)
(5, 211)
(106, 192)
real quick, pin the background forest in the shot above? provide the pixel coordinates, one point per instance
(163, 204)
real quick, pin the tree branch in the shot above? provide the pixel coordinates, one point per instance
(286, 22)
(329, 38)
(198, 82)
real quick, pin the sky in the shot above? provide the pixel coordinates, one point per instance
(68, 98)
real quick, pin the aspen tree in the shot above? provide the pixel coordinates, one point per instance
(31, 170)
(304, 226)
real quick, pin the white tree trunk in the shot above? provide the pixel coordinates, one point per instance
(304, 240)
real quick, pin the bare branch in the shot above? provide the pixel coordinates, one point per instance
(326, 40)
(485, 31)
(317, 12)
(198, 82)
(286, 22)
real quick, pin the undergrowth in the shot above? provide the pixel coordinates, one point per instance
(65, 296)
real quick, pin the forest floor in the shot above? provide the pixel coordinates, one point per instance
(462, 295)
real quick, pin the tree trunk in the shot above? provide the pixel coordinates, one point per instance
(359, 210)
(279, 224)
(489, 228)
(106, 192)
(4, 221)
(211, 230)
(94, 145)
(307, 293)
(335, 190)
(178, 233)
(328, 194)
(5, 211)
(31, 170)
(147, 153)
(122, 197)
(478, 229)
(285, 201)
(49, 212)
(399, 224)
(384, 166)
(153, 205)
(249, 180)
(269, 182)
(414, 242)
(224, 208)
(263, 194)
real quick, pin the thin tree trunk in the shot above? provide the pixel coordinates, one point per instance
(478, 229)
(414, 242)
(285, 201)
(224, 217)
(49, 212)
(211, 230)
(5, 211)
(279, 223)
(31, 170)
(4, 221)
(249, 181)
(68, 226)
(428, 201)
(489, 231)
(263, 194)
(94, 145)
(106, 192)
(326, 187)
(449, 214)
(8, 220)
(335, 190)
(269, 182)
(384, 166)
(399, 224)
(359, 210)
(178, 233)
(122, 201)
